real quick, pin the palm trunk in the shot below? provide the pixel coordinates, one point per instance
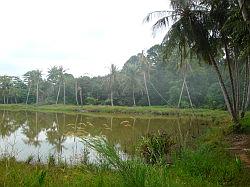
(3, 97)
(247, 89)
(231, 76)
(237, 80)
(58, 93)
(133, 91)
(27, 98)
(76, 93)
(37, 90)
(64, 98)
(111, 97)
(225, 93)
(81, 96)
(146, 88)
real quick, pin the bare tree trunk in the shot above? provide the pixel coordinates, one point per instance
(146, 88)
(58, 93)
(64, 98)
(27, 98)
(76, 93)
(133, 91)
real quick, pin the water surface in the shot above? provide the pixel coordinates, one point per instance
(40, 134)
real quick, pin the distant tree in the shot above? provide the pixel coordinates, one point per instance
(145, 68)
(6, 84)
(32, 78)
(112, 79)
(56, 77)
(132, 80)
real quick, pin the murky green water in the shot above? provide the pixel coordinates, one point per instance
(42, 134)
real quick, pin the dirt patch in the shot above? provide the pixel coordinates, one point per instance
(240, 146)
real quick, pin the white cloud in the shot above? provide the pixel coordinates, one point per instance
(83, 36)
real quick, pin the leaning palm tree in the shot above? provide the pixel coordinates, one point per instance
(197, 26)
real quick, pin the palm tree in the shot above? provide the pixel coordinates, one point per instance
(33, 77)
(198, 27)
(6, 84)
(112, 79)
(132, 79)
(56, 76)
(145, 71)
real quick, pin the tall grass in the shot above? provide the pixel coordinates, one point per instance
(133, 172)
(155, 148)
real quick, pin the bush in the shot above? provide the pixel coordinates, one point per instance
(91, 101)
(155, 148)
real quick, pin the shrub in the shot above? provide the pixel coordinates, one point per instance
(155, 148)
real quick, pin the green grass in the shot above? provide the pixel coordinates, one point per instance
(13, 173)
(138, 110)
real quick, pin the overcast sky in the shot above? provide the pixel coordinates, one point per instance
(84, 36)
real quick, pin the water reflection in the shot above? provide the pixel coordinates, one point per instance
(40, 134)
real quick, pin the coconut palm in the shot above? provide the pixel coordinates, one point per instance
(56, 77)
(6, 84)
(112, 81)
(197, 26)
(33, 78)
(132, 80)
(145, 68)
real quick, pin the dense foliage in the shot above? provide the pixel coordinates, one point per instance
(164, 82)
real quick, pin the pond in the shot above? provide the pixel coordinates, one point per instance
(39, 134)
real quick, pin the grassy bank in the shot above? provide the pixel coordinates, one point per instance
(208, 163)
(138, 110)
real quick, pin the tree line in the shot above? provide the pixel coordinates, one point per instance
(145, 79)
